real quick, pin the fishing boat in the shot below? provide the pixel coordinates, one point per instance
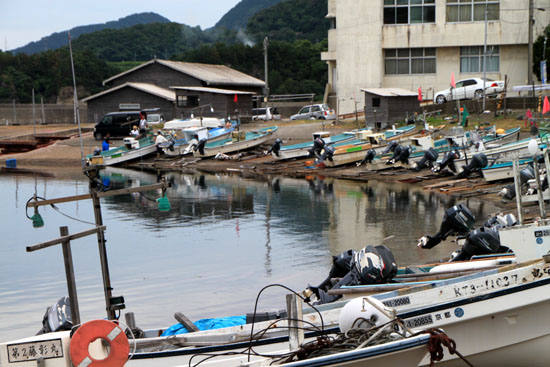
(239, 141)
(355, 150)
(131, 149)
(501, 154)
(185, 139)
(302, 149)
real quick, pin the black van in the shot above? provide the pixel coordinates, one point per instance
(116, 124)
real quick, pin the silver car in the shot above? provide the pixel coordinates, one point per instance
(320, 111)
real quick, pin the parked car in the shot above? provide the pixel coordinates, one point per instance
(320, 111)
(469, 89)
(265, 113)
(119, 124)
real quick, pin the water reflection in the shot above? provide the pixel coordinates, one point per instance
(226, 237)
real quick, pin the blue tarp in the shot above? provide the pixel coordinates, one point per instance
(207, 324)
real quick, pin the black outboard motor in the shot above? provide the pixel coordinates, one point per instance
(200, 146)
(97, 151)
(371, 265)
(391, 147)
(483, 241)
(526, 174)
(276, 147)
(371, 153)
(430, 157)
(57, 317)
(457, 220)
(318, 145)
(171, 145)
(400, 154)
(478, 162)
(448, 161)
(328, 153)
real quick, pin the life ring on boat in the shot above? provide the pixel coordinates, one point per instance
(119, 348)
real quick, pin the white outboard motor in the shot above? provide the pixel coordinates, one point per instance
(360, 313)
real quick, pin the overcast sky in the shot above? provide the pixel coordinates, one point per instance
(24, 21)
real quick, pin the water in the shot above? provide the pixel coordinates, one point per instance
(225, 239)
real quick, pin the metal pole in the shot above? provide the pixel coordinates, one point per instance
(530, 45)
(266, 44)
(43, 114)
(33, 118)
(103, 255)
(517, 186)
(485, 58)
(69, 273)
(75, 106)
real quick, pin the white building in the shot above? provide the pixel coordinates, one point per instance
(419, 43)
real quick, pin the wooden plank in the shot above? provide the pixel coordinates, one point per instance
(182, 319)
(445, 183)
(63, 239)
(67, 199)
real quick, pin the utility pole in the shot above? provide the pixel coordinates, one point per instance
(266, 90)
(485, 59)
(530, 47)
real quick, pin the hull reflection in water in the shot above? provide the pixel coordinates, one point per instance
(225, 238)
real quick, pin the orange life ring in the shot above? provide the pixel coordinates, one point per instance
(99, 329)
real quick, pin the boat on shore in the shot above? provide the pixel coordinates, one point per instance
(355, 150)
(186, 139)
(210, 122)
(302, 149)
(239, 141)
(131, 149)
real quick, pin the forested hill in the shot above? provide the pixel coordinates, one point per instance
(237, 17)
(291, 20)
(59, 39)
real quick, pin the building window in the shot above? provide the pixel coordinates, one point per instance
(410, 61)
(409, 11)
(471, 59)
(472, 10)
(188, 101)
(375, 101)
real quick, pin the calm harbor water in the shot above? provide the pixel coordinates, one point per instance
(225, 238)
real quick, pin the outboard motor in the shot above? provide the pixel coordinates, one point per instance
(457, 220)
(400, 154)
(430, 157)
(97, 151)
(328, 153)
(57, 317)
(391, 147)
(371, 265)
(170, 146)
(448, 161)
(526, 174)
(276, 147)
(318, 145)
(483, 241)
(200, 146)
(371, 153)
(478, 162)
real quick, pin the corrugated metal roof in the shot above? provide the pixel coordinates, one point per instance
(210, 74)
(167, 94)
(213, 90)
(390, 92)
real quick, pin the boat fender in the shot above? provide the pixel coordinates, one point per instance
(360, 313)
(108, 331)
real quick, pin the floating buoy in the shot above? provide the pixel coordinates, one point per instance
(108, 331)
